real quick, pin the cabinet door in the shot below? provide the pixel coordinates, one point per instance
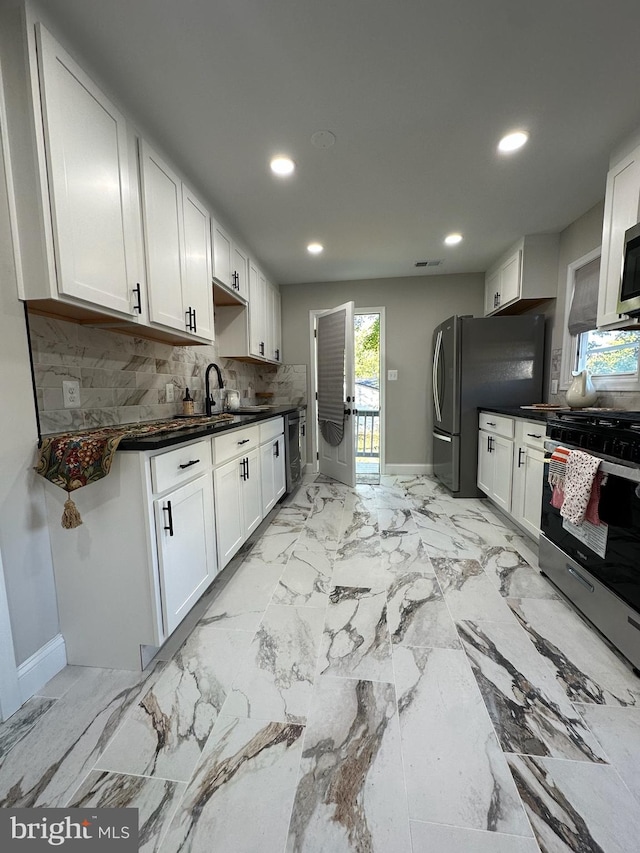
(621, 211)
(88, 171)
(485, 463)
(256, 311)
(229, 510)
(277, 324)
(186, 548)
(163, 233)
(241, 270)
(267, 473)
(197, 291)
(502, 452)
(252, 493)
(510, 279)
(528, 476)
(280, 474)
(222, 260)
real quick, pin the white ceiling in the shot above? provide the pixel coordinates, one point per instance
(417, 92)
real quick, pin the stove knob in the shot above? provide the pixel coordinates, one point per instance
(622, 449)
(606, 446)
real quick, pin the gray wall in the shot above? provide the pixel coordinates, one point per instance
(414, 306)
(24, 537)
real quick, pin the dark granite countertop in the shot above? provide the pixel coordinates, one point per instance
(517, 412)
(207, 428)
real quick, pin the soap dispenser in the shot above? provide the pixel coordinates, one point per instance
(187, 403)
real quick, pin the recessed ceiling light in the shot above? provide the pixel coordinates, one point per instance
(315, 248)
(452, 239)
(282, 165)
(513, 141)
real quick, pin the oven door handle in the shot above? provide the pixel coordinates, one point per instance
(623, 471)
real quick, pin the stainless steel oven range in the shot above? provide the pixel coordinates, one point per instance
(597, 566)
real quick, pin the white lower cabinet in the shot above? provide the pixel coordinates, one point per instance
(511, 470)
(238, 503)
(272, 470)
(528, 473)
(186, 548)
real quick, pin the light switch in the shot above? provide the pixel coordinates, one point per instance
(554, 386)
(169, 389)
(392, 375)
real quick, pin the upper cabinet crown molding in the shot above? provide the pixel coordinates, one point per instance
(524, 276)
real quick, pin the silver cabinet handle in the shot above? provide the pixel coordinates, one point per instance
(434, 377)
(579, 578)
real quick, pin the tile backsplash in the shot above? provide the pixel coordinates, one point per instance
(123, 379)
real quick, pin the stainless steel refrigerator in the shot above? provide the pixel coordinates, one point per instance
(479, 361)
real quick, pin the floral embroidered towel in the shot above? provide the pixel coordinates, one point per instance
(580, 472)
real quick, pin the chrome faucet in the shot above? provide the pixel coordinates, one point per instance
(208, 399)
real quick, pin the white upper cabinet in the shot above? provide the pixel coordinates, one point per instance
(198, 300)
(621, 211)
(240, 271)
(222, 250)
(177, 242)
(257, 312)
(230, 267)
(88, 177)
(163, 237)
(524, 276)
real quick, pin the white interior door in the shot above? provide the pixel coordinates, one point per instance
(336, 390)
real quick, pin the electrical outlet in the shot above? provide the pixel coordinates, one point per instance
(170, 391)
(71, 393)
(554, 386)
(392, 375)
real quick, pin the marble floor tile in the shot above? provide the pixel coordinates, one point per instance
(618, 730)
(58, 752)
(356, 643)
(584, 665)
(578, 807)
(357, 526)
(530, 712)
(239, 800)
(164, 735)
(20, 723)
(443, 539)
(417, 614)
(350, 795)
(288, 518)
(241, 603)
(306, 580)
(404, 552)
(431, 838)
(278, 540)
(526, 547)
(276, 680)
(455, 770)
(322, 529)
(396, 520)
(473, 525)
(468, 591)
(303, 497)
(60, 683)
(513, 576)
(155, 799)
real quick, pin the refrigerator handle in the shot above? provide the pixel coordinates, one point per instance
(434, 378)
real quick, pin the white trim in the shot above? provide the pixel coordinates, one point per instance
(418, 468)
(40, 668)
(10, 699)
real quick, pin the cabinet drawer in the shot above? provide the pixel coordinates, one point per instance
(177, 466)
(271, 429)
(498, 424)
(234, 443)
(533, 434)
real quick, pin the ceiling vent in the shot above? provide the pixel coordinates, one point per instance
(429, 263)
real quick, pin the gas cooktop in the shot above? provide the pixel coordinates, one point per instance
(615, 434)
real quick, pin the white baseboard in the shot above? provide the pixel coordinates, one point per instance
(408, 470)
(34, 673)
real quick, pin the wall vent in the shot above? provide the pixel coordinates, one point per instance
(435, 263)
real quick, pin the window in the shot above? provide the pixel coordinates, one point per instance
(611, 357)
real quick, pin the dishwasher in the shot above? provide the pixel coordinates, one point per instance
(294, 432)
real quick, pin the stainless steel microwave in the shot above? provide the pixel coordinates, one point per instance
(629, 299)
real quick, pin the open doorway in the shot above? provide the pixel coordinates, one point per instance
(368, 352)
